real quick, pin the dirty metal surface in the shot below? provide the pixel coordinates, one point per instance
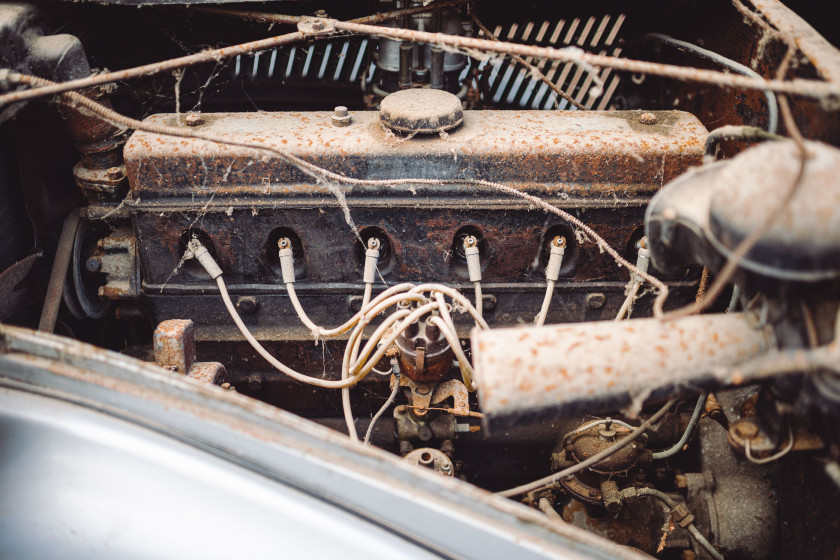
(562, 154)
(543, 371)
(174, 342)
(601, 166)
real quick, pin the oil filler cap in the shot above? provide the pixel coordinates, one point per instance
(421, 111)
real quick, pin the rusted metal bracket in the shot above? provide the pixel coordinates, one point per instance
(174, 343)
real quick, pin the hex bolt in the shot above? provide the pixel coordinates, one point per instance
(648, 118)
(596, 300)
(93, 264)
(341, 117)
(193, 119)
(115, 173)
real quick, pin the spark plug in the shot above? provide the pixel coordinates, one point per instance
(371, 260)
(642, 260)
(555, 258)
(195, 250)
(473, 258)
(287, 260)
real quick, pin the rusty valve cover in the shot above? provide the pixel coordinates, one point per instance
(604, 166)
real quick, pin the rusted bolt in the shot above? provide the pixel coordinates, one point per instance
(648, 118)
(247, 304)
(93, 264)
(423, 389)
(593, 493)
(680, 481)
(193, 119)
(744, 430)
(225, 385)
(341, 117)
(115, 173)
(596, 300)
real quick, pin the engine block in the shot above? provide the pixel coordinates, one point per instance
(600, 166)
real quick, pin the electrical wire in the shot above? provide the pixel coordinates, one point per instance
(772, 106)
(255, 344)
(771, 458)
(692, 529)
(548, 509)
(394, 392)
(627, 306)
(597, 458)
(479, 299)
(692, 423)
(549, 294)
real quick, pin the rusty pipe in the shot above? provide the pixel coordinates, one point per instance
(58, 275)
(543, 372)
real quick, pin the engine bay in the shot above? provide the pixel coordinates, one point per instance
(586, 258)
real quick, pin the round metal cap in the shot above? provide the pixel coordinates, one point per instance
(424, 111)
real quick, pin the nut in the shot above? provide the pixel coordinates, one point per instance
(193, 119)
(648, 118)
(341, 117)
(115, 173)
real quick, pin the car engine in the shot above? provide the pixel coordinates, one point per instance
(582, 256)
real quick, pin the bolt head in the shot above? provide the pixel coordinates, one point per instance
(341, 116)
(115, 173)
(93, 264)
(193, 119)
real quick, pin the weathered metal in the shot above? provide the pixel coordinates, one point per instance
(432, 458)
(424, 353)
(529, 372)
(702, 217)
(605, 166)
(175, 350)
(174, 343)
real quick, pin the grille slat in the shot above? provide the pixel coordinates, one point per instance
(506, 81)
